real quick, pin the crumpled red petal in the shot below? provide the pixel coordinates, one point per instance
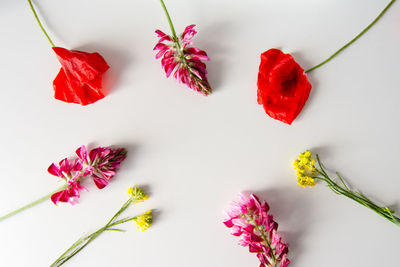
(283, 87)
(80, 77)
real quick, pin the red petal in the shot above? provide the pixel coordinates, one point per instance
(79, 80)
(81, 65)
(283, 87)
(71, 91)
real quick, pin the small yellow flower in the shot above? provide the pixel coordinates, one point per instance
(305, 169)
(306, 180)
(137, 193)
(144, 221)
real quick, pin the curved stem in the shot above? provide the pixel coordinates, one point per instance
(171, 25)
(40, 24)
(353, 40)
(31, 204)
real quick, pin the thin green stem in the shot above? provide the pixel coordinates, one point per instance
(40, 24)
(171, 25)
(341, 179)
(356, 196)
(63, 258)
(124, 207)
(74, 245)
(353, 40)
(265, 240)
(8, 215)
(122, 221)
(84, 241)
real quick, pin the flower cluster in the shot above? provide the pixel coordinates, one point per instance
(305, 169)
(179, 55)
(250, 220)
(144, 221)
(100, 163)
(137, 193)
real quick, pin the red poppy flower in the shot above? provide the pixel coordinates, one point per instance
(80, 76)
(283, 87)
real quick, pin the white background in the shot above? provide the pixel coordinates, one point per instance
(194, 153)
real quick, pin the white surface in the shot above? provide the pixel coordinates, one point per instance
(195, 153)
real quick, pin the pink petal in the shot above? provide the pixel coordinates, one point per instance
(77, 165)
(64, 166)
(160, 46)
(255, 248)
(189, 32)
(236, 230)
(160, 53)
(255, 238)
(93, 153)
(228, 223)
(88, 171)
(82, 153)
(160, 33)
(54, 170)
(170, 68)
(198, 54)
(285, 261)
(100, 182)
(61, 196)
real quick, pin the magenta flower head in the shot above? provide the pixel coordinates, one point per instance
(257, 229)
(179, 55)
(101, 163)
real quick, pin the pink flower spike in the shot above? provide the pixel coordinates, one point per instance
(178, 55)
(249, 219)
(103, 164)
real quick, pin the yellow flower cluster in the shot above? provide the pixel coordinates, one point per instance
(137, 193)
(144, 221)
(305, 169)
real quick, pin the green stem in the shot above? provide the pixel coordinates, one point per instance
(40, 24)
(31, 204)
(265, 240)
(124, 207)
(83, 242)
(63, 258)
(353, 40)
(358, 197)
(171, 25)
(122, 221)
